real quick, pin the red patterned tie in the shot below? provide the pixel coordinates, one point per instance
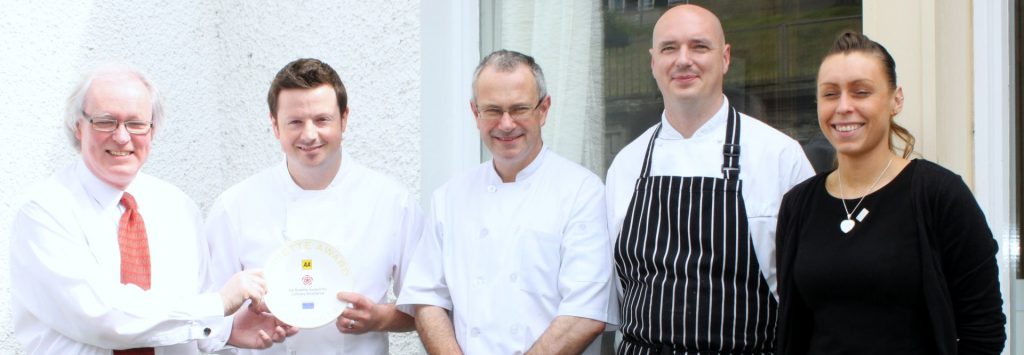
(131, 236)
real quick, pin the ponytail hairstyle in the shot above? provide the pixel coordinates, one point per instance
(852, 41)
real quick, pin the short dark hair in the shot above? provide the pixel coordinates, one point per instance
(306, 73)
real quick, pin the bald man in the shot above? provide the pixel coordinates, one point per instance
(692, 220)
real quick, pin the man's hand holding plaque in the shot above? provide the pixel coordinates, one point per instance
(303, 278)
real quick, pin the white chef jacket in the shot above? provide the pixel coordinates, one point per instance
(770, 164)
(66, 271)
(507, 258)
(369, 217)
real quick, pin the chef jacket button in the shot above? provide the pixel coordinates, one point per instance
(474, 332)
(514, 329)
(491, 188)
(483, 232)
(480, 280)
(513, 277)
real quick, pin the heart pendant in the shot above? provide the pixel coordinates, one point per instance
(846, 225)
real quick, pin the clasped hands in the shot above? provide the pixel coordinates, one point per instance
(253, 327)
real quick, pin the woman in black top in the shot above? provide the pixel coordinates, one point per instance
(883, 255)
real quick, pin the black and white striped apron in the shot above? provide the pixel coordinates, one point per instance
(690, 279)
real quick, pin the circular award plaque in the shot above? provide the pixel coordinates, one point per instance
(303, 279)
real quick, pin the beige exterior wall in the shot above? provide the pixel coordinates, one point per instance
(931, 42)
(936, 47)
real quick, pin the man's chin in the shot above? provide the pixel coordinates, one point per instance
(506, 148)
(310, 162)
(687, 92)
(505, 153)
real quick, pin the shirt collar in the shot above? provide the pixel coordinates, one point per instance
(523, 175)
(716, 121)
(100, 192)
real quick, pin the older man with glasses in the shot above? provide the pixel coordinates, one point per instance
(515, 256)
(90, 274)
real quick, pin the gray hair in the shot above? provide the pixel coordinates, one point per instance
(76, 101)
(507, 61)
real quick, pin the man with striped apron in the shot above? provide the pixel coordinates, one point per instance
(690, 247)
(684, 259)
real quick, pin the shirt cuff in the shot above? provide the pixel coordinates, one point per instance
(213, 328)
(409, 301)
(214, 334)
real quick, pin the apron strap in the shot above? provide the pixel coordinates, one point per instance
(731, 148)
(645, 172)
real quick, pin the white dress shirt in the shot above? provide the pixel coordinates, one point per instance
(369, 217)
(770, 164)
(507, 258)
(66, 270)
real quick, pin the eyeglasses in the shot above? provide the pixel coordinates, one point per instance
(107, 124)
(517, 113)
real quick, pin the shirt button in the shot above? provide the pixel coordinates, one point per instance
(483, 232)
(480, 280)
(513, 277)
(491, 188)
(514, 329)
(474, 332)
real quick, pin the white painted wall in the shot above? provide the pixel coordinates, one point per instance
(214, 61)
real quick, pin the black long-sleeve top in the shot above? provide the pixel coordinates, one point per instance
(959, 275)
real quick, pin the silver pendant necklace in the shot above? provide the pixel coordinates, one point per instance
(847, 224)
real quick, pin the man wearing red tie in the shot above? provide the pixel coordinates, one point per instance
(107, 259)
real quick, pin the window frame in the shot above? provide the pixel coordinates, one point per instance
(993, 142)
(450, 50)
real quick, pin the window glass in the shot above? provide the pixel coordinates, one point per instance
(598, 68)
(776, 49)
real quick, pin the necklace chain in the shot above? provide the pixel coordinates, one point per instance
(849, 213)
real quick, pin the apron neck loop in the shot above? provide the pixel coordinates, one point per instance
(730, 150)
